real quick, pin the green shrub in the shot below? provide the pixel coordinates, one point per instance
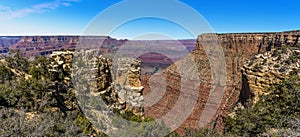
(257, 67)
(275, 53)
(278, 57)
(51, 102)
(6, 74)
(294, 72)
(265, 61)
(274, 110)
(84, 124)
(276, 66)
(205, 132)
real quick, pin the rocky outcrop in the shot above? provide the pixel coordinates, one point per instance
(267, 69)
(94, 74)
(60, 66)
(128, 85)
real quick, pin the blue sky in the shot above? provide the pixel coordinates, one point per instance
(72, 17)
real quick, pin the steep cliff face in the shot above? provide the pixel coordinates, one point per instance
(94, 74)
(267, 69)
(260, 41)
(237, 48)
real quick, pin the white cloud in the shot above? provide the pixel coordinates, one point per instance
(6, 13)
(4, 9)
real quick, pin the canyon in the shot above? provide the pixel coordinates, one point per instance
(212, 105)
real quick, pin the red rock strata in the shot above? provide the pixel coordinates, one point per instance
(237, 48)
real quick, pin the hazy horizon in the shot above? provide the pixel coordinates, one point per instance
(148, 38)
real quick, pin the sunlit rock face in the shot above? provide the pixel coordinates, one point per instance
(267, 69)
(122, 92)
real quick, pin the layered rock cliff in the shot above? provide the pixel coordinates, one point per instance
(45, 45)
(237, 48)
(260, 42)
